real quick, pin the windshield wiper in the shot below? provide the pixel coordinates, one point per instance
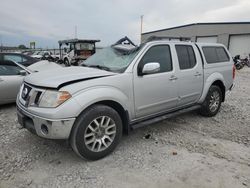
(96, 66)
(100, 67)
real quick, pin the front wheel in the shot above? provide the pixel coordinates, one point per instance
(97, 132)
(212, 103)
(66, 62)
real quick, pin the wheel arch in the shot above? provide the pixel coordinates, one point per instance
(119, 101)
(214, 79)
(120, 110)
(220, 84)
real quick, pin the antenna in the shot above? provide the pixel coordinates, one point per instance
(1, 39)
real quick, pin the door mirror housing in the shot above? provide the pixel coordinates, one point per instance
(22, 73)
(151, 68)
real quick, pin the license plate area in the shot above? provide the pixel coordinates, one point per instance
(25, 121)
(20, 118)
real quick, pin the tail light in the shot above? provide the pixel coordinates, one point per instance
(234, 72)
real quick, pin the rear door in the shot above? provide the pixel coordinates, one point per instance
(10, 81)
(190, 74)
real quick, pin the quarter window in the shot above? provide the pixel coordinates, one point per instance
(186, 56)
(160, 54)
(215, 54)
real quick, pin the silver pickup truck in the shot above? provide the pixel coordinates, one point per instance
(121, 88)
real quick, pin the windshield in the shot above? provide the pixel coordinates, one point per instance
(85, 46)
(111, 59)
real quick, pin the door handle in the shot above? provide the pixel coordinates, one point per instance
(1, 80)
(197, 74)
(173, 78)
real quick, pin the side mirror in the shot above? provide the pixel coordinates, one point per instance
(22, 73)
(151, 68)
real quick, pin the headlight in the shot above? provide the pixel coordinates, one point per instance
(52, 99)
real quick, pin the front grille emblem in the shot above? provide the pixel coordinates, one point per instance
(25, 92)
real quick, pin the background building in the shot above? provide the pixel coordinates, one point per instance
(234, 35)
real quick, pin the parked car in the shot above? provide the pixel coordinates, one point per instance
(22, 59)
(12, 75)
(123, 87)
(41, 55)
(29, 53)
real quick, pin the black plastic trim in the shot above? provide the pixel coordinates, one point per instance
(66, 83)
(80, 80)
(160, 117)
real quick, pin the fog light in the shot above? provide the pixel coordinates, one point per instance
(44, 129)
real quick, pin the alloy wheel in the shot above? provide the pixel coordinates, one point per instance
(100, 134)
(214, 101)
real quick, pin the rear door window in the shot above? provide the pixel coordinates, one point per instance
(215, 54)
(186, 56)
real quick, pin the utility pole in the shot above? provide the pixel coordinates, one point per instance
(1, 43)
(141, 27)
(76, 31)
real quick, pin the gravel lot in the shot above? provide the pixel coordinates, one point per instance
(185, 151)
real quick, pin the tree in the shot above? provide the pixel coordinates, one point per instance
(21, 46)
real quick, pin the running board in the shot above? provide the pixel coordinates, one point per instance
(163, 117)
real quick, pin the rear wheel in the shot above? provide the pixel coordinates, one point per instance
(212, 103)
(97, 132)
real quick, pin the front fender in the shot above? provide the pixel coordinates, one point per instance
(209, 81)
(87, 97)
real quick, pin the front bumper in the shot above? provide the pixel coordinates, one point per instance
(43, 127)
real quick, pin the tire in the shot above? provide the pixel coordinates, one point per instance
(214, 96)
(66, 62)
(238, 67)
(85, 132)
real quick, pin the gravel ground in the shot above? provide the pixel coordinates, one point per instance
(185, 151)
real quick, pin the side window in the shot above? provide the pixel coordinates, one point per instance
(215, 54)
(7, 68)
(222, 55)
(24, 60)
(186, 56)
(15, 58)
(160, 54)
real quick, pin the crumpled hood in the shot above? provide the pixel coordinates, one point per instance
(57, 78)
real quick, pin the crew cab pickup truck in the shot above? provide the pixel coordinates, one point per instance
(123, 87)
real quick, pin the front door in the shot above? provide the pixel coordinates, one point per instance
(155, 93)
(10, 81)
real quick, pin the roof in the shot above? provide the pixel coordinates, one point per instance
(193, 24)
(78, 41)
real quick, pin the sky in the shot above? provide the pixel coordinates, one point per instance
(47, 21)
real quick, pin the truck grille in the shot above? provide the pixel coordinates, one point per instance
(30, 95)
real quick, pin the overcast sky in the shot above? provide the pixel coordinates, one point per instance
(47, 21)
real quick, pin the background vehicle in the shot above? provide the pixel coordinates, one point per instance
(22, 59)
(42, 55)
(239, 64)
(76, 50)
(12, 75)
(123, 87)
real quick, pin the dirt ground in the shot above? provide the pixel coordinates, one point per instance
(185, 151)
